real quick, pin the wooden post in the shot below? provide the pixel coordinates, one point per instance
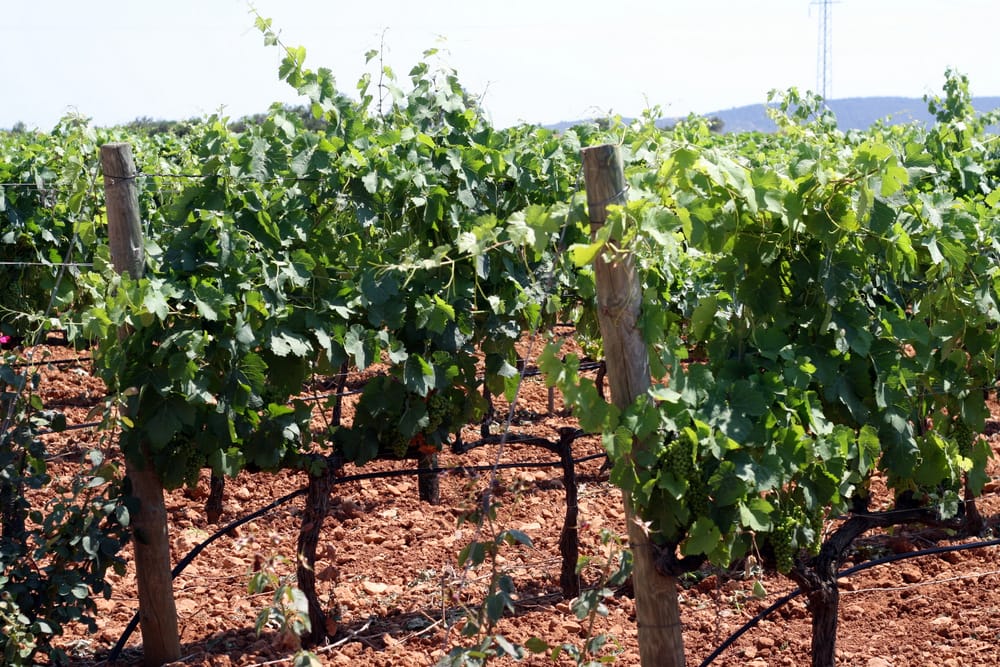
(157, 610)
(619, 300)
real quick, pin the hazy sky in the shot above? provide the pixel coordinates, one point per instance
(533, 60)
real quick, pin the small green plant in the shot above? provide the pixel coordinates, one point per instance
(288, 613)
(53, 556)
(613, 565)
(19, 641)
(481, 621)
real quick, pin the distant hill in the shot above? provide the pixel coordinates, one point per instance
(853, 113)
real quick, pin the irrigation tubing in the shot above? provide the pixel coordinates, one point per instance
(232, 525)
(843, 573)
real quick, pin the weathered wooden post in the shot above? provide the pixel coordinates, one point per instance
(157, 610)
(619, 301)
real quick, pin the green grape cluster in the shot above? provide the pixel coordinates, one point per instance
(188, 455)
(784, 537)
(816, 520)
(439, 411)
(964, 437)
(440, 414)
(680, 459)
(697, 496)
(396, 441)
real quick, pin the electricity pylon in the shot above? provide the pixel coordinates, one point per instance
(824, 49)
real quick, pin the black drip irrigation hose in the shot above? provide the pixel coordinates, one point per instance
(781, 602)
(198, 548)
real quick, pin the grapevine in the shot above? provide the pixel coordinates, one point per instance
(824, 303)
(838, 290)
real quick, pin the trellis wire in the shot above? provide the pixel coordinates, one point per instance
(308, 399)
(59, 264)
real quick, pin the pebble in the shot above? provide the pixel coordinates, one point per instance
(572, 627)
(854, 611)
(186, 606)
(374, 538)
(953, 557)
(234, 563)
(374, 587)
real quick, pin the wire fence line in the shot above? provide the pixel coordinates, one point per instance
(586, 365)
(920, 584)
(31, 186)
(225, 177)
(54, 264)
(52, 188)
(315, 398)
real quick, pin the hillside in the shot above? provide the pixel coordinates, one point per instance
(852, 113)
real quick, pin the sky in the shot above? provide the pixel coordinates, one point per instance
(536, 61)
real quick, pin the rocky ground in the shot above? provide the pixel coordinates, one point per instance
(388, 571)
